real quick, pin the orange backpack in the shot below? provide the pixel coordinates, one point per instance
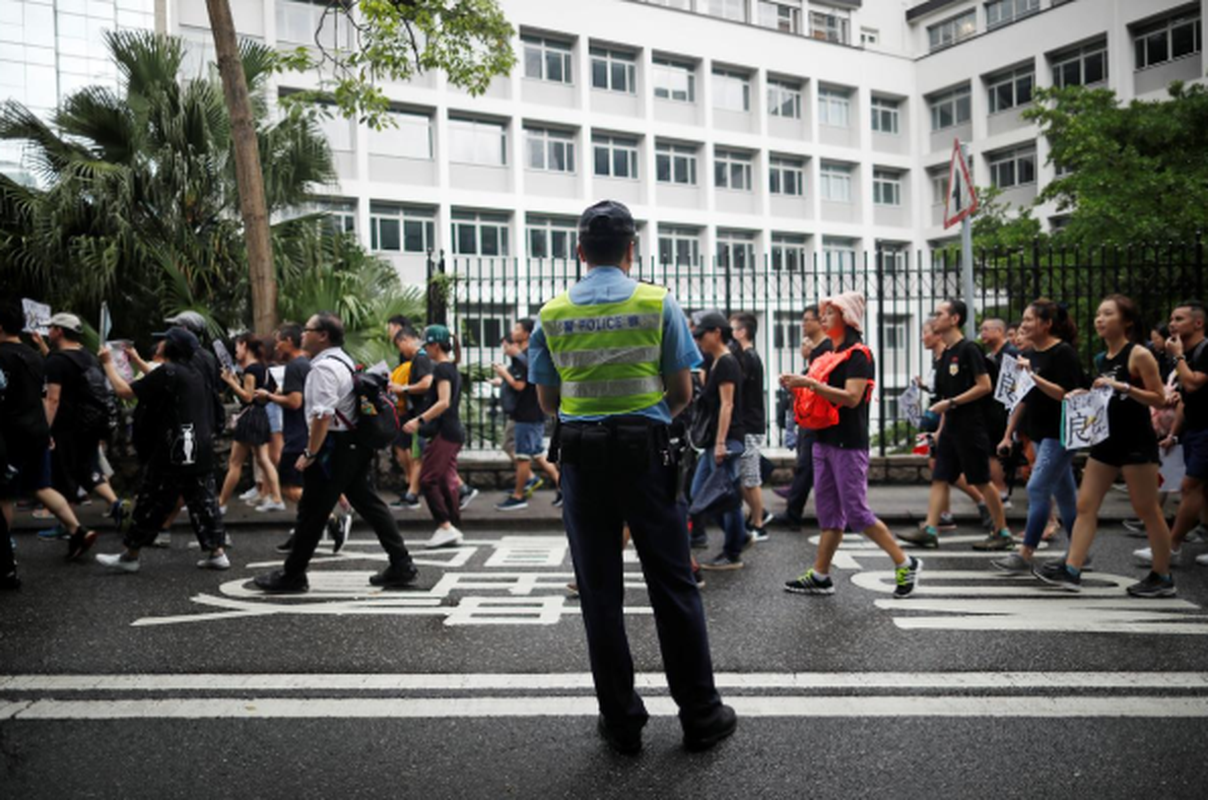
(813, 411)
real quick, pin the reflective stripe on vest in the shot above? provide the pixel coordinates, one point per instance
(608, 355)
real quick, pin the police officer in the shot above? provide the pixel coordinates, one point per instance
(612, 358)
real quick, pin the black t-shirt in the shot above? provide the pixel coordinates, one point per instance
(22, 415)
(723, 370)
(851, 433)
(1060, 365)
(293, 425)
(1195, 404)
(824, 347)
(956, 372)
(260, 373)
(174, 417)
(421, 367)
(66, 368)
(754, 404)
(527, 408)
(448, 424)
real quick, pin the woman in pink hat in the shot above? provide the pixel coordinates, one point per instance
(832, 399)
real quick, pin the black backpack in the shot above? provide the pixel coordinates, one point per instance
(377, 425)
(97, 411)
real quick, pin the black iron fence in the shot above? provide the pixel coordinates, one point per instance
(482, 298)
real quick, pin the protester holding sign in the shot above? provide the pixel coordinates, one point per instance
(1131, 373)
(1055, 367)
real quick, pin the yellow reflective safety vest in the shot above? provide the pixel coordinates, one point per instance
(607, 354)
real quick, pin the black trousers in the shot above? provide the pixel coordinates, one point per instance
(156, 499)
(596, 504)
(342, 469)
(8, 562)
(803, 476)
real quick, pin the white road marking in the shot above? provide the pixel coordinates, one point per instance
(488, 707)
(561, 681)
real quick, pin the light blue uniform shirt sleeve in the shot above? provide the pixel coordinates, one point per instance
(679, 348)
(541, 366)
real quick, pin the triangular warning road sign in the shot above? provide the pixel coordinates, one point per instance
(960, 200)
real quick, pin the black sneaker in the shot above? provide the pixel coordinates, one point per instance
(627, 742)
(759, 534)
(767, 520)
(287, 546)
(787, 520)
(947, 522)
(924, 536)
(557, 499)
(511, 503)
(1055, 573)
(809, 583)
(278, 582)
(723, 725)
(1154, 585)
(907, 577)
(340, 531)
(80, 543)
(408, 501)
(395, 577)
(721, 561)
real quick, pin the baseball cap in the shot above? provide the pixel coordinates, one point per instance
(437, 334)
(709, 319)
(68, 322)
(606, 219)
(188, 319)
(183, 338)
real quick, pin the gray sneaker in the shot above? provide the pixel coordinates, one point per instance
(1012, 563)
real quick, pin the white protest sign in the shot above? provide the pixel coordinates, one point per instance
(1084, 418)
(37, 317)
(121, 361)
(278, 376)
(106, 322)
(224, 356)
(911, 404)
(1173, 468)
(1014, 382)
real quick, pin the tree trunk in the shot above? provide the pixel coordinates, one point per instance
(250, 179)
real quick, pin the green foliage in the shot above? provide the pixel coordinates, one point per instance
(468, 40)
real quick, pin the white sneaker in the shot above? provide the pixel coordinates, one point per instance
(116, 563)
(1197, 534)
(1144, 557)
(214, 562)
(1202, 560)
(162, 539)
(222, 511)
(251, 496)
(270, 505)
(445, 537)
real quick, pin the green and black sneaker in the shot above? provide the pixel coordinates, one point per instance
(925, 536)
(907, 577)
(810, 583)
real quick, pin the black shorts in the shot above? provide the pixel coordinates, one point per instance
(287, 470)
(27, 474)
(1117, 451)
(74, 466)
(962, 452)
(996, 423)
(1195, 454)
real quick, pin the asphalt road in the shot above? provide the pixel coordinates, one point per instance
(180, 683)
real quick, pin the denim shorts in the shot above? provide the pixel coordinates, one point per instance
(529, 440)
(276, 417)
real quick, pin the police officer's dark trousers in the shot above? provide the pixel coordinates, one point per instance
(599, 496)
(342, 469)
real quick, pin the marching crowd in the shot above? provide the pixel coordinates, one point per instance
(301, 398)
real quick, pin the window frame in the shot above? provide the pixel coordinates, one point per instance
(830, 175)
(936, 38)
(775, 11)
(674, 153)
(735, 249)
(401, 119)
(785, 249)
(551, 228)
(675, 235)
(883, 108)
(1013, 79)
(1080, 55)
(782, 92)
(951, 97)
(843, 249)
(834, 99)
(402, 215)
(477, 128)
(887, 181)
(614, 145)
(1165, 28)
(779, 167)
(551, 140)
(669, 66)
(727, 8)
(1030, 7)
(547, 48)
(1015, 157)
(744, 82)
(832, 27)
(611, 60)
(480, 221)
(731, 164)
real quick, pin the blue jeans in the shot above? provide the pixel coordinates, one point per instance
(1052, 476)
(731, 521)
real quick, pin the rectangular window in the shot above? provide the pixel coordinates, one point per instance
(1168, 39)
(731, 91)
(550, 237)
(1013, 167)
(732, 170)
(613, 71)
(786, 176)
(1001, 12)
(729, 9)
(478, 142)
(950, 109)
(894, 259)
(885, 116)
(735, 249)
(411, 137)
(780, 16)
(338, 129)
(406, 229)
(952, 30)
(895, 332)
(838, 255)
(299, 23)
(1011, 89)
(786, 333)
(886, 188)
(1083, 67)
(546, 59)
(870, 37)
(615, 157)
(834, 106)
(939, 187)
(788, 252)
(835, 183)
(480, 234)
(674, 80)
(679, 246)
(830, 27)
(552, 151)
(675, 164)
(784, 99)
(341, 214)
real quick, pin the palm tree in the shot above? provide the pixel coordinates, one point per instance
(137, 202)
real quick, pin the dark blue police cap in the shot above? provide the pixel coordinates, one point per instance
(607, 219)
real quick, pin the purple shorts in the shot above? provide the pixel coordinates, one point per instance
(841, 489)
